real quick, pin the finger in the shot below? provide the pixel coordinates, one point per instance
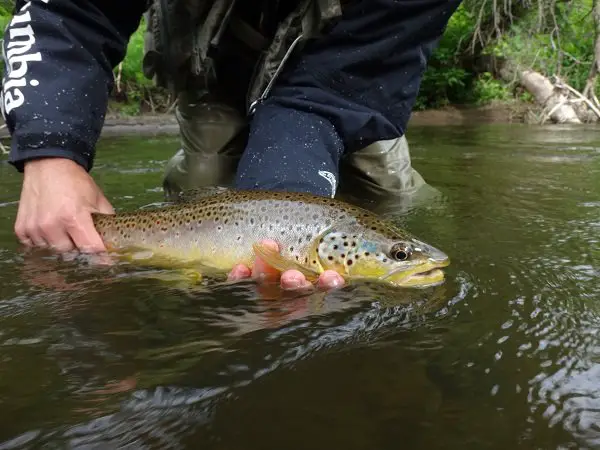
(295, 308)
(104, 206)
(22, 235)
(58, 239)
(19, 227)
(35, 235)
(27, 242)
(84, 234)
(294, 279)
(330, 279)
(261, 270)
(100, 259)
(239, 272)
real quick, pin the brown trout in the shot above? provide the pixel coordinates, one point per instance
(314, 234)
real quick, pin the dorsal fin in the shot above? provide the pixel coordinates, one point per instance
(191, 195)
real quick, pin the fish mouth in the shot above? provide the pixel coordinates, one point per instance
(422, 279)
(428, 274)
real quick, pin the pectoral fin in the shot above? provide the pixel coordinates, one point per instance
(275, 260)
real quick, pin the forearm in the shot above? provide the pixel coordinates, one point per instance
(59, 56)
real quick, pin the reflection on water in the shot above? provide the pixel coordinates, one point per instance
(505, 354)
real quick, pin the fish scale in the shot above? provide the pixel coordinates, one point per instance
(219, 231)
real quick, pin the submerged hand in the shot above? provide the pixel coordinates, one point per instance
(57, 200)
(290, 279)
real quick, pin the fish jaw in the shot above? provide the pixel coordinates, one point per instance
(427, 274)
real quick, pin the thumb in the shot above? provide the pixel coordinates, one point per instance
(103, 206)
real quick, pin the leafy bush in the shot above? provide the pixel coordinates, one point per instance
(561, 44)
(444, 81)
(487, 89)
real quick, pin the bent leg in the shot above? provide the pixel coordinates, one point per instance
(210, 146)
(382, 168)
(290, 150)
(354, 88)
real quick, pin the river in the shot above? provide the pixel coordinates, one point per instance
(507, 355)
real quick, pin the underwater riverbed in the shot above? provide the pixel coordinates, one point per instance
(506, 356)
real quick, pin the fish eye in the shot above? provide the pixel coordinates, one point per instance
(400, 252)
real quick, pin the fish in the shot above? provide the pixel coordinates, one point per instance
(220, 229)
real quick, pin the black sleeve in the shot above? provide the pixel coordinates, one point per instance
(59, 56)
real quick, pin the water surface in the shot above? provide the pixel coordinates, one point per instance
(504, 355)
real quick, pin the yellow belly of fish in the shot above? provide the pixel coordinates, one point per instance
(166, 256)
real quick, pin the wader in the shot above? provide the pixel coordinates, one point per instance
(266, 94)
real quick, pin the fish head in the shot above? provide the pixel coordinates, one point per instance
(393, 257)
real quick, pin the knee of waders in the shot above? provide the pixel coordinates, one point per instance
(381, 169)
(213, 137)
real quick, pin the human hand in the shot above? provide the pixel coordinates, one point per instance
(57, 199)
(289, 280)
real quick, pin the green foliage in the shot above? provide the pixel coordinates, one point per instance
(486, 89)
(132, 64)
(444, 82)
(557, 41)
(135, 87)
(561, 44)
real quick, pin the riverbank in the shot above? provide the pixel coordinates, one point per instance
(506, 112)
(513, 111)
